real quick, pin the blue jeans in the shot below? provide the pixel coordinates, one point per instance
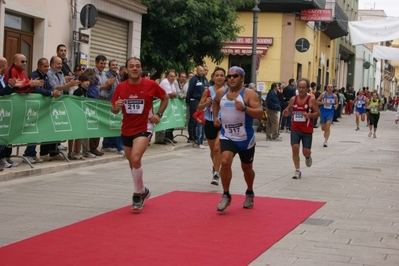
(30, 151)
(200, 130)
(113, 142)
(286, 121)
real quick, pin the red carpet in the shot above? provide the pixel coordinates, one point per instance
(178, 228)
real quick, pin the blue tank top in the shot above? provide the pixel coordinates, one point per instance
(360, 104)
(236, 125)
(327, 109)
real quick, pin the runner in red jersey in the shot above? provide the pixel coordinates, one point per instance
(134, 97)
(304, 109)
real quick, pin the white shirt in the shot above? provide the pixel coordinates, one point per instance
(167, 86)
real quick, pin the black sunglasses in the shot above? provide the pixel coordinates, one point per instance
(233, 76)
(24, 61)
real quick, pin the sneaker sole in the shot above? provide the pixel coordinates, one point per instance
(215, 183)
(147, 197)
(225, 209)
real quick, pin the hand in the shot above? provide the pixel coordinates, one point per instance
(239, 106)
(208, 100)
(155, 119)
(68, 78)
(56, 93)
(216, 122)
(286, 112)
(12, 82)
(73, 82)
(119, 103)
(110, 81)
(36, 82)
(306, 115)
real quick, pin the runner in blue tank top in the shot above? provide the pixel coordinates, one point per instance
(328, 102)
(360, 108)
(237, 107)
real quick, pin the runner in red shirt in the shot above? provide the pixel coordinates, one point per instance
(134, 97)
(304, 109)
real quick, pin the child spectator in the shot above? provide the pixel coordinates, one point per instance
(81, 91)
(200, 128)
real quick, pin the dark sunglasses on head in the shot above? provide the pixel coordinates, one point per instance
(233, 76)
(24, 61)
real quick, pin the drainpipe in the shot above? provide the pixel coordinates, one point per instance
(72, 43)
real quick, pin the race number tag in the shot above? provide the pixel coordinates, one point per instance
(359, 104)
(329, 103)
(374, 109)
(135, 106)
(298, 117)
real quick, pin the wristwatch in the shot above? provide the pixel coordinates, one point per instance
(160, 115)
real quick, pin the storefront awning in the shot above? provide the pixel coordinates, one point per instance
(243, 46)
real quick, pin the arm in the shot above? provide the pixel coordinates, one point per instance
(315, 110)
(336, 102)
(216, 108)
(205, 100)
(253, 107)
(287, 111)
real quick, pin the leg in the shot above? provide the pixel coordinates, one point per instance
(295, 156)
(225, 170)
(327, 130)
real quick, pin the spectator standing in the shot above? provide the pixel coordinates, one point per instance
(195, 89)
(112, 144)
(273, 111)
(61, 53)
(45, 90)
(200, 128)
(179, 85)
(288, 92)
(103, 85)
(168, 85)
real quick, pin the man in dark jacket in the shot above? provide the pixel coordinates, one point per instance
(196, 87)
(273, 110)
(288, 92)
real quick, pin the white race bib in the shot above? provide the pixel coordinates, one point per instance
(135, 106)
(298, 117)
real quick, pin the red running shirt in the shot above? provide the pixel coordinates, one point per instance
(138, 107)
(299, 122)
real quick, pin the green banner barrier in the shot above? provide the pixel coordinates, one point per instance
(32, 118)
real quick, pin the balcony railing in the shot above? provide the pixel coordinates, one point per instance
(338, 27)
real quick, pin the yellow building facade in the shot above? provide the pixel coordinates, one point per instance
(285, 57)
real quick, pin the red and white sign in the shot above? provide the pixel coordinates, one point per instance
(243, 46)
(316, 15)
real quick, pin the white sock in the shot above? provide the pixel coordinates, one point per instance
(137, 175)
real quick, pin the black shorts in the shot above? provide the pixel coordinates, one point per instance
(246, 156)
(128, 140)
(297, 136)
(211, 132)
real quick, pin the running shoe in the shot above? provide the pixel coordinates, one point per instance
(308, 161)
(139, 199)
(224, 203)
(370, 133)
(5, 163)
(249, 201)
(13, 164)
(374, 135)
(325, 144)
(201, 146)
(62, 147)
(215, 179)
(30, 159)
(357, 128)
(297, 174)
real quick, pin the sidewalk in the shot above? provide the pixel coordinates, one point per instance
(355, 175)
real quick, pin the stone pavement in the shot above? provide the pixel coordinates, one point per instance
(356, 176)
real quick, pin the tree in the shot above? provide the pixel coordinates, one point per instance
(178, 34)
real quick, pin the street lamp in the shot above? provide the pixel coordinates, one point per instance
(255, 10)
